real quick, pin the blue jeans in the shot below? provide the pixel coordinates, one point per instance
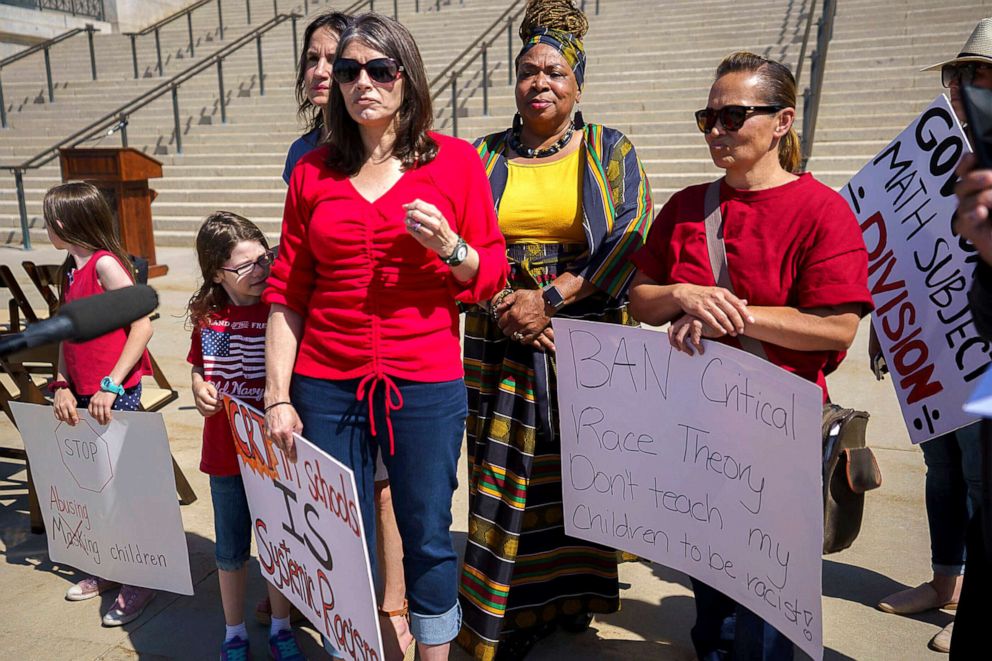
(428, 433)
(232, 522)
(725, 630)
(953, 487)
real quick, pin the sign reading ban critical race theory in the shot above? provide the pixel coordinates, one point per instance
(919, 272)
(108, 496)
(707, 464)
(309, 533)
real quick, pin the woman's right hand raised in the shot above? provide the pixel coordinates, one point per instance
(281, 422)
(714, 306)
(65, 407)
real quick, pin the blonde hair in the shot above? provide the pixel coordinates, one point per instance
(778, 87)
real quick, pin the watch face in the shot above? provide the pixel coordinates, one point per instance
(461, 252)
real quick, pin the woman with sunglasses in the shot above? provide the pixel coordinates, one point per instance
(386, 229)
(313, 91)
(797, 275)
(573, 203)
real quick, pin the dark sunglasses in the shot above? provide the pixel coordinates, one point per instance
(964, 72)
(263, 262)
(381, 70)
(731, 117)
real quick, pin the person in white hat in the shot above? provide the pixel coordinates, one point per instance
(972, 66)
(953, 480)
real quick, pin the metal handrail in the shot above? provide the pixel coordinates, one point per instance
(813, 93)
(157, 26)
(117, 119)
(46, 46)
(802, 50)
(480, 45)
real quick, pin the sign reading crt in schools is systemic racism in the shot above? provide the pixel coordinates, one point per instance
(309, 533)
(108, 496)
(707, 464)
(919, 271)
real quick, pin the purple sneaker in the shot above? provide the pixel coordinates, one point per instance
(283, 647)
(235, 650)
(89, 588)
(130, 604)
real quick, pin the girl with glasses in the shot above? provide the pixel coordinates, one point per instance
(797, 284)
(386, 230)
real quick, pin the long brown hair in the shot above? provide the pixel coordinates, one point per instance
(778, 87)
(78, 214)
(312, 116)
(413, 146)
(218, 235)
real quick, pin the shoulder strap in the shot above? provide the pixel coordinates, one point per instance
(717, 250)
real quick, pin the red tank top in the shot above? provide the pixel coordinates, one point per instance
(86, 363)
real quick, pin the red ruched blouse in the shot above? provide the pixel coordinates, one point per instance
(375, 303)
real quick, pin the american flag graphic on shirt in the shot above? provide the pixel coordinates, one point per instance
(229, 355)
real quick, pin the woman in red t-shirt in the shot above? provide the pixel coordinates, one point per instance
(386, 229)
(796, 263)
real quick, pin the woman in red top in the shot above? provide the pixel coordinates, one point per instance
(385, 229)
(797, 270)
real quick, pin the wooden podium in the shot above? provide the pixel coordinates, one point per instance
(122, 175)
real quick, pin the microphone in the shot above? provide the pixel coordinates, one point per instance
(86, 318)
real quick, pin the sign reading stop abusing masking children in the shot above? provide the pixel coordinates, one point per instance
(309, 533)
(919, 272)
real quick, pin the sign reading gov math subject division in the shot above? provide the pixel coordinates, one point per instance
(309, 533)
(707, 464)
(919, 272)
(108, 496)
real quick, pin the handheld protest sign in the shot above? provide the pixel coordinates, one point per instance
(707, 464)
(309, 532)
(919, 271)
(108, 496)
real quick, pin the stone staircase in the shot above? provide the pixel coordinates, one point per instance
(873, 86)
(650, 65)
(237, 165)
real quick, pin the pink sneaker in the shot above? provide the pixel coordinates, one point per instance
(89, 588)
(130, 604)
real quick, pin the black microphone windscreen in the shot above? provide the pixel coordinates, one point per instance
(94, 316)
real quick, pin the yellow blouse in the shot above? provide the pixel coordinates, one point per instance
(542, 202)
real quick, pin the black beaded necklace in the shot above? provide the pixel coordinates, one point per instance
(527, 152)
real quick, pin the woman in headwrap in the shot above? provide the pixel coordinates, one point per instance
(573, 203)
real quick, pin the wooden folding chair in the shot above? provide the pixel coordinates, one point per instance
(15, 366)
(45, 279)
(10, 321)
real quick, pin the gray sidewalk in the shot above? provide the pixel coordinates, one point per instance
(37, 623)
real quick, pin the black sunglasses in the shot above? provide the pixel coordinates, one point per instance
(381, 70)
(963, 72)
(731, 117)
(263, 262)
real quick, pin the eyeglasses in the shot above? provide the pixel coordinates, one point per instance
(731, 117)
(964, 73)
(381, 70)
(263, 262)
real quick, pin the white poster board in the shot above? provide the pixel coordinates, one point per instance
(707, 464)
(919, 272)
(309, 533)
(108, 496)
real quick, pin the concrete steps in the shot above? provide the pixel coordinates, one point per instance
(650, 66)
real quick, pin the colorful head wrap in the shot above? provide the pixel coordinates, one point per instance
(565, 43)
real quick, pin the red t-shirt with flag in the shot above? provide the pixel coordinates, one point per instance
(231, 350)
(796, 245)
